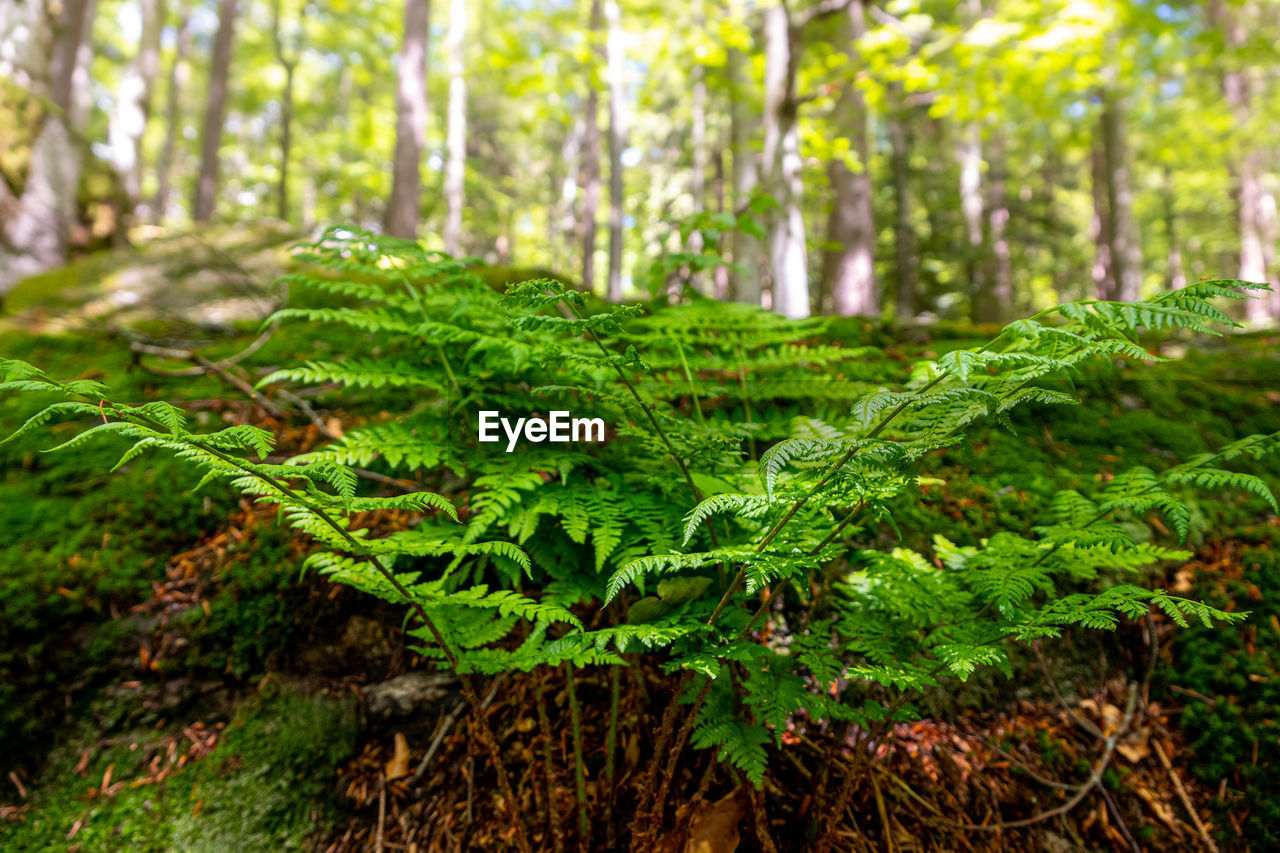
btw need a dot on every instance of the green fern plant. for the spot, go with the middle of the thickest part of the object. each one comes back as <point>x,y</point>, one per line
<point>749,464</point>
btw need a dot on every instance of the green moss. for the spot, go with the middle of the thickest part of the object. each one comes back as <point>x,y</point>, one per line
<point>266,786</point>
<point>1237,738</point>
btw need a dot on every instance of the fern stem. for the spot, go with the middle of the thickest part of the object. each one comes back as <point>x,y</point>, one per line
<point>579,771</point>
<point>746,400</point>
<point>448,369</point>
<point>658,807</point>
<point>688,375</point>
<point>553,823</point>
<point>610,746</point>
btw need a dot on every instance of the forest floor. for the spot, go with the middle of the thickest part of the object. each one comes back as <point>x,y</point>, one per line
<point>169,681</point>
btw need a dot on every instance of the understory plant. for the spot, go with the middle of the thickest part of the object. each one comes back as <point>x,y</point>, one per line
<point>731,523</point>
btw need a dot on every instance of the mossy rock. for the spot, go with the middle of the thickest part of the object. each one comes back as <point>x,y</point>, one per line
<point>170,282</point>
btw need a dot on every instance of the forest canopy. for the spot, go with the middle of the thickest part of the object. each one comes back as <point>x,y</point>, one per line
<point>967,159</point>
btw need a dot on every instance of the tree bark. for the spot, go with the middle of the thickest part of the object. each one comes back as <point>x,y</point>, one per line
<point>133,103</point>
<point>34,227</point>
<point>744,280</point>
<point>788,258</point>
<point>411,123</point>
<point>203,204</point>
<point>848,265</point>
<point>456,131</point>
<point>172,116</point>
<point>591,157</point>
<point>616,50</point>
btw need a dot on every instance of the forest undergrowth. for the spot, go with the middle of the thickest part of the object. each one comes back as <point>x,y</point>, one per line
<point>1088,746</point>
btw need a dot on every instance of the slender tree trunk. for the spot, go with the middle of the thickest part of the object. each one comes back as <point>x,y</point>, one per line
<point>984,308</point>
<point>1255,204</point>
<point>848,265</point>
<point>51,45</point>
<point>133,103</point>
<point>905,252</point>
<point>215,109</point>
<point>1126,248</point>
<point>591,157</point>
<point>744,280</point>
<point>288,63</point>
<point>698,142</point>
<point>1104,274</point>
<point>456,131</point>
<point>721,278</point>
<point>411,123</point>
<point>788,258</point>
<point>286,143</point>
<point>1176,274</point>
<point>571,151</point>
<point>1001,272</point>
<point>617,142</point>
<point>172,116</point>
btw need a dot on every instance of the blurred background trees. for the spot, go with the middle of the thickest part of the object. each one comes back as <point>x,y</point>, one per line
<point>967,159</point>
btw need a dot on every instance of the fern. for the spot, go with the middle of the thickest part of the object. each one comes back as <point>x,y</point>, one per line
<point>749,462</point>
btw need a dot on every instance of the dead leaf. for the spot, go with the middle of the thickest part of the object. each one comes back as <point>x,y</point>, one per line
<point>398,766</point>
<point>334,426</point>
<point>715,828</point>
<point>1135,748</point>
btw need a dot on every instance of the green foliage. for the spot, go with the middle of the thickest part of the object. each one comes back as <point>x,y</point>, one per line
<point>503,572</point>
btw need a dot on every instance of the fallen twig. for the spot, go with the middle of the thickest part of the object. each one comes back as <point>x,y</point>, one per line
<point>1182,795</point>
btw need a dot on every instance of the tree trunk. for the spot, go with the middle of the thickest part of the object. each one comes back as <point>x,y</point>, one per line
<point>570,155</point>
<point>1001,272</point>
<point>721,276</point>
<point>411,123</point>
<point>34,227</point>
<point>905,252</point>
<point>1176,274</point>
<point>591,158</point>
<point>788,259</point>
<point>1104,274</point>
<point>177,81</point>
<point>288,63</point>
<point>1126,248</point>
<point>698,142</point>
<point>848,264</point>
<point>1255,204</point>
<point>215,108</point>
<point>617,141</point>
<point>744,280</point>
<point>456,131</point>
<point>983,308</point>
<point>133,103</point>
